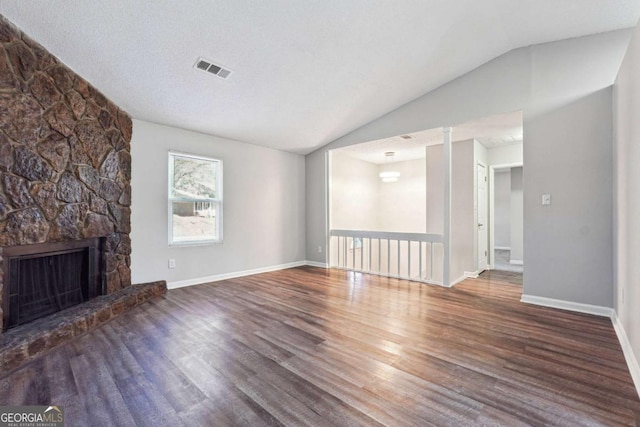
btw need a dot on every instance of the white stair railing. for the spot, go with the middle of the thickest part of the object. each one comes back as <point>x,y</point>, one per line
<point>411,256</point>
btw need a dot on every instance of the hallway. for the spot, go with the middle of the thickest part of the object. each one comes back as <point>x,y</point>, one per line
<point>501,262</point>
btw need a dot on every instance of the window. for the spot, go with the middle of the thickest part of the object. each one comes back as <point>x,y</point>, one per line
<point>195,199</point>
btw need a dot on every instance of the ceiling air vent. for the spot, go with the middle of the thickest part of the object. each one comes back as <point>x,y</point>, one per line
<point>406,136</point>
<point>209,67</point>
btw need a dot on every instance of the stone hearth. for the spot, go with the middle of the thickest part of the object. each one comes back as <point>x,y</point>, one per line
<point>26,342</point>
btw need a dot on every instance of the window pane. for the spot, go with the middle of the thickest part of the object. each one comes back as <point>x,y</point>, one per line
<point>194,178</point>
<point>194,221</point>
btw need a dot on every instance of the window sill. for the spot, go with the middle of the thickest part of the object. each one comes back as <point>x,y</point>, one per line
<point>195,243</point>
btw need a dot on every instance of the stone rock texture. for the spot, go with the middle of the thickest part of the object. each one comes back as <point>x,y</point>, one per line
<point>65,163</point>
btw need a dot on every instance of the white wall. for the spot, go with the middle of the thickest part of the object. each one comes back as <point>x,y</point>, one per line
<point>627,199</point>
<point>506,154</point>
<point>462,203</point>
<point>463,235</point>
<point>354,193</point>
<point>435,188</point>
<point>354,188</point>
<point>402,208</point>
<point>403,203</point>
<point>502,209</point>
<point>264,211</point>
<point>516,213</point>
<point>563,89</point>
<point>361,201</point>
<point>481,154</point>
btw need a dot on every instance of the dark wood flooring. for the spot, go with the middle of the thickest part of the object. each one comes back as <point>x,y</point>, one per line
<point>307,346</point>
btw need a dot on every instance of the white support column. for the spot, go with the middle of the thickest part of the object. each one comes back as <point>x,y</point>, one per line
<point>426,187</point>
<point>446,280</point>
<point>327,201</point>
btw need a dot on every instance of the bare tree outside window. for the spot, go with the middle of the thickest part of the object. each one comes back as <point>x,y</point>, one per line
<point>195,199</point>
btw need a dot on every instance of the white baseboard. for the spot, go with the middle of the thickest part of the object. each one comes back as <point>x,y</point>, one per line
<point>233,275</point>
<point>568,305</point>
<point>629,356</point>
<point>455,282</point>
<point>471,274</point>
<point>316,264</point>
<point>502,248</point>
<point>516,262</point>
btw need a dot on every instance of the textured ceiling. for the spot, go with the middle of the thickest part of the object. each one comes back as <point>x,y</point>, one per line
<point>493,131</point>
<point>304,72</point>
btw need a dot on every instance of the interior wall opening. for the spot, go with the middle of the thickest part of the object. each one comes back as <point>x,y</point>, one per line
<point>386,200</point>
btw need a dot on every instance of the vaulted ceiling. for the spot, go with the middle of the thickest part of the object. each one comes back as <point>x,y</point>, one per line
<point>303,72</point>
<point>492,132</point>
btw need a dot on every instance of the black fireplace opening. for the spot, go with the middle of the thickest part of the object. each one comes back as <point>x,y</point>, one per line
<point>43,279</point>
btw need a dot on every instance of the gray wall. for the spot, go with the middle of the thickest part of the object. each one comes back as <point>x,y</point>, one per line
<point>264,212</point>
<point>516,212</point>
<point>567,244</point>
<point>627,194</point>
<point>316,206</point>
<point>564,91</point>
<point>502,209</point>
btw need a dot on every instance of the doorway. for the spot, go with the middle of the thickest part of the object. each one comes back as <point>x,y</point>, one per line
<point>506,236</point>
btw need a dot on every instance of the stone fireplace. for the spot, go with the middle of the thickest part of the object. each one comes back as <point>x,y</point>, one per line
<point>65,163</point>
<point>46,278</point>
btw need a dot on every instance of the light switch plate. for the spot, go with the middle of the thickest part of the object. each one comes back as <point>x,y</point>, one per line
<point>546,199</point>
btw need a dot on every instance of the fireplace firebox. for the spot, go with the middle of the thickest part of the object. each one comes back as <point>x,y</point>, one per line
<point>45,278</point>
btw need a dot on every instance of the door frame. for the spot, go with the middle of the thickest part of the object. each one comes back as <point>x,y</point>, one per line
<point>327,199</point>
<point>476,213</point>
<point>492,170</point>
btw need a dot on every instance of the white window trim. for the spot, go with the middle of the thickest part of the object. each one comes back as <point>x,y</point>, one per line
<point>218,201</point>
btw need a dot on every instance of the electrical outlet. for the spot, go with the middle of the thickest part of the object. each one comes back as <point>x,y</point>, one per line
<point>319,249</point>
<point>546,199</point>
<point>172,263</point>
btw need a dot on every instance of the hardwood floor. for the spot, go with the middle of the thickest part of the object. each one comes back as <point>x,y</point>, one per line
<point>307,346</point>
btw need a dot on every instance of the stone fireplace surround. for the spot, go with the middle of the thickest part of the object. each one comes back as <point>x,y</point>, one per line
<point>65,173</point>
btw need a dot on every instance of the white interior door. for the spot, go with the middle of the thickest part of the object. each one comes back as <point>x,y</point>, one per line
<point>483,236</point>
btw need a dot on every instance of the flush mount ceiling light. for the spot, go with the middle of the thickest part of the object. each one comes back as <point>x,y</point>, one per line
<point>211,68</point>
<point>389,175</point>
